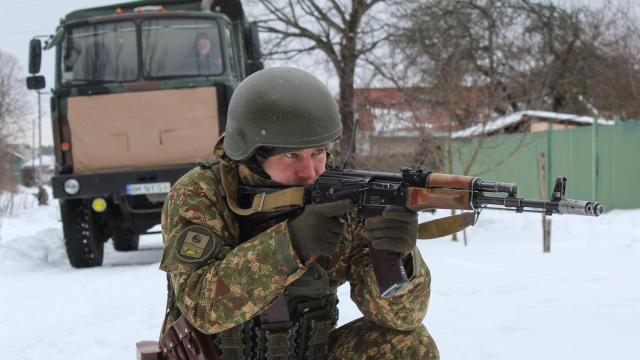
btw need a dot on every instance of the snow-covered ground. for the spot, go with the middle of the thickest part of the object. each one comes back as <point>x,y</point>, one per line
<point>498,298</point>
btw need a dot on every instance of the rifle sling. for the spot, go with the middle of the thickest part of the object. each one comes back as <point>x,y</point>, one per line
<point>264,202</point>
<point>446,225</point>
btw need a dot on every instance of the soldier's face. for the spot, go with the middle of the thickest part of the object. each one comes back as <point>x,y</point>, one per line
<point>300,167</point>
<point>203,46</point>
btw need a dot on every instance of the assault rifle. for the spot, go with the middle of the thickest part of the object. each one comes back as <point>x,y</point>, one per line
<point>416,190</point>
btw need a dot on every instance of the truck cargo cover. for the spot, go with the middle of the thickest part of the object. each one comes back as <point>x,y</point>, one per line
<point>142,129</point>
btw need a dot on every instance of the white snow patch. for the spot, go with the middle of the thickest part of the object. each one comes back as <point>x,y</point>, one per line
<point>499,297</point>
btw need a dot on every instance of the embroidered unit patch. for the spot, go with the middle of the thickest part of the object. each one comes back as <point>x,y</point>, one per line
<point>196,243</point>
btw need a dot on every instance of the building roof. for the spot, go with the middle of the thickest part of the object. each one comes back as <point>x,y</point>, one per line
<point>399,123</point>
<point>48,161</point>
<point>16,155</point>
<point>399,112</point>
<point>511,119</point>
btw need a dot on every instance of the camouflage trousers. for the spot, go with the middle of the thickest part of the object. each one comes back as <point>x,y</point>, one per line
<point>364,339</point>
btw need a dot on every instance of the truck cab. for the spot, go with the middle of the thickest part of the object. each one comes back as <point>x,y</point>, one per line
<point>141,92</point>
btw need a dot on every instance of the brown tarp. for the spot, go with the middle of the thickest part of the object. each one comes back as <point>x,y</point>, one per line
<point>142,129</point>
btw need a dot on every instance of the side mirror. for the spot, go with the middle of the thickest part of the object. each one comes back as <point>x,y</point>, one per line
<point>253,66</point>
<point>35,82</point>
<point>35,56</point>
<point>253,46</point>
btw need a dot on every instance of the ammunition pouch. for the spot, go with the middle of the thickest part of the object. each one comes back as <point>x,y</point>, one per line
<point>295,326</point>
<point>316,318</point>
<point>180,341</point>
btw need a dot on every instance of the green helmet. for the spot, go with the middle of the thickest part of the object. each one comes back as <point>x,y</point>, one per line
<point>280,107</point>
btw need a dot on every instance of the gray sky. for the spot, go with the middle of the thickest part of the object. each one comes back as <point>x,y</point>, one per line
<point>22,19</point>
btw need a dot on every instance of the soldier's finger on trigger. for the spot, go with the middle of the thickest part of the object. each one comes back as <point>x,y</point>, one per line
<point>384,233</point>
<point>335,208</point>
<point>382,222</point>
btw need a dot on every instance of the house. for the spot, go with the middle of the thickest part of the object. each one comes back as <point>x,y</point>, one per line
<point>397,125</point>
<point>393,120</point>
<point>14,161</point>
<point>41,167</point>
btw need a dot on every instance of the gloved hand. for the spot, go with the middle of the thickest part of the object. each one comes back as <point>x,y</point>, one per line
<point>396,230</point>
<point>317,230</point>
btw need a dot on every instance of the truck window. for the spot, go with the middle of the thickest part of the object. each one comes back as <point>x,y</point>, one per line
<point>103,52</point>
<point>181,47</point>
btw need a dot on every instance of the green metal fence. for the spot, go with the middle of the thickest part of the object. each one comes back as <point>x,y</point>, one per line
<point>601,163</point>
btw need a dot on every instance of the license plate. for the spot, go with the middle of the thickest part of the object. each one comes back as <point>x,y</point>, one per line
<point>149,188</point>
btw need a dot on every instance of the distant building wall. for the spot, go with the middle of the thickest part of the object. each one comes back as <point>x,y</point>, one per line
<point>544,126</point>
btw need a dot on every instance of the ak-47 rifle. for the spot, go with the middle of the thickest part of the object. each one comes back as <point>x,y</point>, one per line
<point>416,190</point>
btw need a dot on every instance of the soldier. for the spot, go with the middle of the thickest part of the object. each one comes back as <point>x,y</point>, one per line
<point>265,284</point>
<point>203,58</point>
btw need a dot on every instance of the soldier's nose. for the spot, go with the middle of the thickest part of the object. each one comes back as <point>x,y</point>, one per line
<point>306,170</point>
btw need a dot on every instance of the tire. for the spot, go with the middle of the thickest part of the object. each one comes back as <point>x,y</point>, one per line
<point>126,241</point>
<point>83,238</point>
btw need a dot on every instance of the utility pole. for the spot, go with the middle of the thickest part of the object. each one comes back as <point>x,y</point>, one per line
<point>546,220</point>
<point>39,170</point>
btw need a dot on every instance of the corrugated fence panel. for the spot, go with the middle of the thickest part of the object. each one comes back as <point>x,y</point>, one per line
<point>516,158</point>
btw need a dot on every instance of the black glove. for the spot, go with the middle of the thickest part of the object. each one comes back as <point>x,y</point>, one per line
<point>396,230</point>
<point>317,230</point>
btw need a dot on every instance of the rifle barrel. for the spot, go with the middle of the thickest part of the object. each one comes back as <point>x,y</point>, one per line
<point>562,206</point>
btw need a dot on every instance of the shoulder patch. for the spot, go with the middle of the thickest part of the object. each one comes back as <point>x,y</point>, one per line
<point>196,243</point>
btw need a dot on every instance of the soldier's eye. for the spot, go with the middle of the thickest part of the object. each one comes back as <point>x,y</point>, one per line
<point>290,155</point>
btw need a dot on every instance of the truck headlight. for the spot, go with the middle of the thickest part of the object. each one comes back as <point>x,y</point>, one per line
<point>71,186</point>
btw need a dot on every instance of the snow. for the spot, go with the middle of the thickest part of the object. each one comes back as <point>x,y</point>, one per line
<point>499,297</point>
<point>504,121</point>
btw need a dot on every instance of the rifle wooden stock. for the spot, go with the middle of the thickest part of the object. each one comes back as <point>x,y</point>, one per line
<point>437,198</point>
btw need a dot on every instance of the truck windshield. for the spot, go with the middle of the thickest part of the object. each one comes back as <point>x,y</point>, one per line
<point>100,53</point>
<point>181,47</point>
<point>108,52</point>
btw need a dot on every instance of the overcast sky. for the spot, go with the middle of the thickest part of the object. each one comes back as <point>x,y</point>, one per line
<point>22,19</point>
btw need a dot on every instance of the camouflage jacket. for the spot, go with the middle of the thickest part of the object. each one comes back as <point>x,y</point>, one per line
<point>220,282</point>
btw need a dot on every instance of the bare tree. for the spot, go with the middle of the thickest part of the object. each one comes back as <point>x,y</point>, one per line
<point>343,31</point>
<point>614,82</point>
<point>577,57</point>
<point>13,108</point>
<point>461,51</point>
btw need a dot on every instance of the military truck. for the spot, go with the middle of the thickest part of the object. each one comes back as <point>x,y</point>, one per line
<point>141,91</point>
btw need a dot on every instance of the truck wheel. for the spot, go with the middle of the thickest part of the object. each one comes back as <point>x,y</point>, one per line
<point>126,241</point>
<point>83,238</point>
